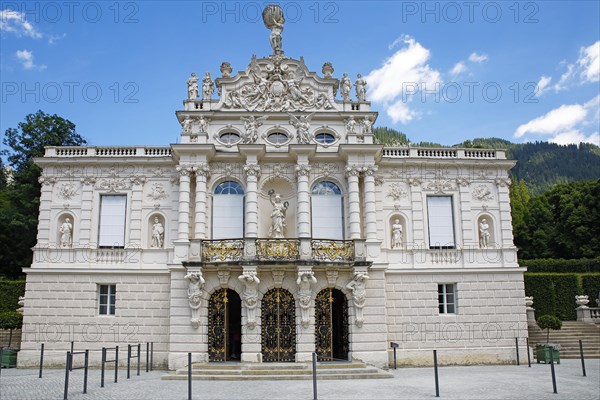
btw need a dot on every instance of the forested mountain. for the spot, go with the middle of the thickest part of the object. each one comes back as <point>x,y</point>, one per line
<point>541,165</point>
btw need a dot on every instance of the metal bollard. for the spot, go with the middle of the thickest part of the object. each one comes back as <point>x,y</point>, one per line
<point>394,346</point>
<point>147,355</point>
<point>517,347</point>
<point>528,355</point>
<point>139,346</point>
<point>116,363</point>
<point>435,369</point>
<point>189,376</point>
<point>582,358</point>
<point>128,360</point>
<point>85,371</point>
<point>314,375</point>
<point>72,351</point>
<point>67,368</point>
<point>41,359</point>
<point>151,354</point>
<point>552,370</point>
<point>102,367</point>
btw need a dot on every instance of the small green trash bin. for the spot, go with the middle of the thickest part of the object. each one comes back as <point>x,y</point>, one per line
<point>542,353</point>
<point>9,358</point>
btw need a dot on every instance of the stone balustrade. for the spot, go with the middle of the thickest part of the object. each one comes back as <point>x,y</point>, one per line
<point>108,151</point>
<point>443,153</point>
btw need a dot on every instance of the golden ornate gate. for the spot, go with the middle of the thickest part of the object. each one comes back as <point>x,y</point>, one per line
<point>217,325</point>
<point>331,325</point>
<point>278,326</point>
<point>224,326</point>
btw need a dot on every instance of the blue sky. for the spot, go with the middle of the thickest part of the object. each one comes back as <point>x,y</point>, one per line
<point>438,71</point>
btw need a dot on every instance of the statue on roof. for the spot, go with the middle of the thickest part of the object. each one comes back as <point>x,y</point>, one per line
<point>273,19</point>
<point>192,87</point>
<point>207,87</point>
<point>360,86</point>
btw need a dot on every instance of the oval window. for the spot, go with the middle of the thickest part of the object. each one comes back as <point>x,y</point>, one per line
<point>325,138</point>
<point>229,138</point>
<point>277,138</point>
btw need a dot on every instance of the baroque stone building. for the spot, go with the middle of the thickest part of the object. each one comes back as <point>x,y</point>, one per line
<point>277,227</point>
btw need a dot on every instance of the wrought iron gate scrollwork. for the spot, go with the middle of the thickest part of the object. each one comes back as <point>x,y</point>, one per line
<point>217,325</point>
<point>331,325</point>
<point>278,326</point>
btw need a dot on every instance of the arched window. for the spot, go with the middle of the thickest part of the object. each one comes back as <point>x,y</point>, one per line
<point>228,211</point>
<point>327,211</point>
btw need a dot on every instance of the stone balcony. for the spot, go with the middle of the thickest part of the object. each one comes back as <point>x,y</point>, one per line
<point>276,251</point>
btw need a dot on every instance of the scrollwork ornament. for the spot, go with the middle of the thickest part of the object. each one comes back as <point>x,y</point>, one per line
<point>502,182</point>
<point>252,170</point>
<point>463,181</point>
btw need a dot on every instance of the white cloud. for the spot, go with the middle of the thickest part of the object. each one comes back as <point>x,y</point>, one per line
<point>407,68</point>
<point>478,58</point>
<point>400,112</point>
<point>542,85</point>
<point>589,62</point>
<point>52,39</point>
<point>564,78</point>
<point>15,22</point>
<point>576,137</point>
<point>458,69</point>
<point>560,119</point>
<point>26,58</point>
<point>566,124</point>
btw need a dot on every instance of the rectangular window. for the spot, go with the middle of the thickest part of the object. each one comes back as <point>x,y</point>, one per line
<point>441,222</point>
<point>228,216</point>
<point>447,298</point>
<point>106,299</point>
<point>112,221</point>
<point>327,217</point>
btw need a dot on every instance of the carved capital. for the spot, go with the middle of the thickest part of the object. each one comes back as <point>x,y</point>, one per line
<point>88,180</point>
<point>502,182</point>
<point>303,170</point>
<point>353,170</point>
<point>185,170</point>
<point>252,170</point>
<point>370,170</point>
<point>138,179</point>
<point>47,180</point>
<point>463,181</point>
<point>202,169</point>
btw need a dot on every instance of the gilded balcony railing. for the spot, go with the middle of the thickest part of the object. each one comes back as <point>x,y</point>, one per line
<point>225,250</point>
<point>332,250</point>
<point>277,249</point>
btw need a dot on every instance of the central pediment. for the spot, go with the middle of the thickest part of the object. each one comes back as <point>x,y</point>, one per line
<point>278,84</point>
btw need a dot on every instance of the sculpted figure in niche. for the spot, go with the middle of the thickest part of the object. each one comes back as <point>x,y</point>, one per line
<point>345,87</point>
<point>192,85</point>
<point>277,229</point>
<point>361,89</point>
<point>158,232</point>
<point>484,234</point>
<point>207,86</point>
<point>203,124</point>
<point>396,234</point>
<point>66,230</point>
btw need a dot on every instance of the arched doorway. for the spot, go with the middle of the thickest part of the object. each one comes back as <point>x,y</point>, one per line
<point>278,326</point>
<point>331,325</point>
<point>224,326</point>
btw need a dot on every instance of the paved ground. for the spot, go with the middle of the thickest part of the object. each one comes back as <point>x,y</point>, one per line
<point>495,382</point>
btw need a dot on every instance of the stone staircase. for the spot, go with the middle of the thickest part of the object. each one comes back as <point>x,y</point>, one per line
<point>568,338</point>
<point>232,371</point>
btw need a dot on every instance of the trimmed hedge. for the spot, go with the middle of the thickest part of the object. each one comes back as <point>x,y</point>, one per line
<point>554,294</point>
<point>540,286</point>
<point>590,284</point>
<point>584,265</point>
<point>9,294</point>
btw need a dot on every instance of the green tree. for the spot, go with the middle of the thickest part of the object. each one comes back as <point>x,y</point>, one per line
<point>19,200</point>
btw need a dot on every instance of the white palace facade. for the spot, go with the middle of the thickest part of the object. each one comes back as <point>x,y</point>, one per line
<point>276,228</point>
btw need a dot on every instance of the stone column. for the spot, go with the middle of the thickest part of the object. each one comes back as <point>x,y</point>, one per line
<point>184,201</point>
<point>305,326</point>
<point>303,170</point>
<point>370,210</point>
<point>202,174</point>
<point>353,173</point>
<point>252,173</point>
<point>251,319</point>
<point>506,232</point>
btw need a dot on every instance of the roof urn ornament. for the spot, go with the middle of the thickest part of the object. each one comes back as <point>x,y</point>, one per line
<point>273,18</point>
<point>327,70</point>
<point>226,69</point>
